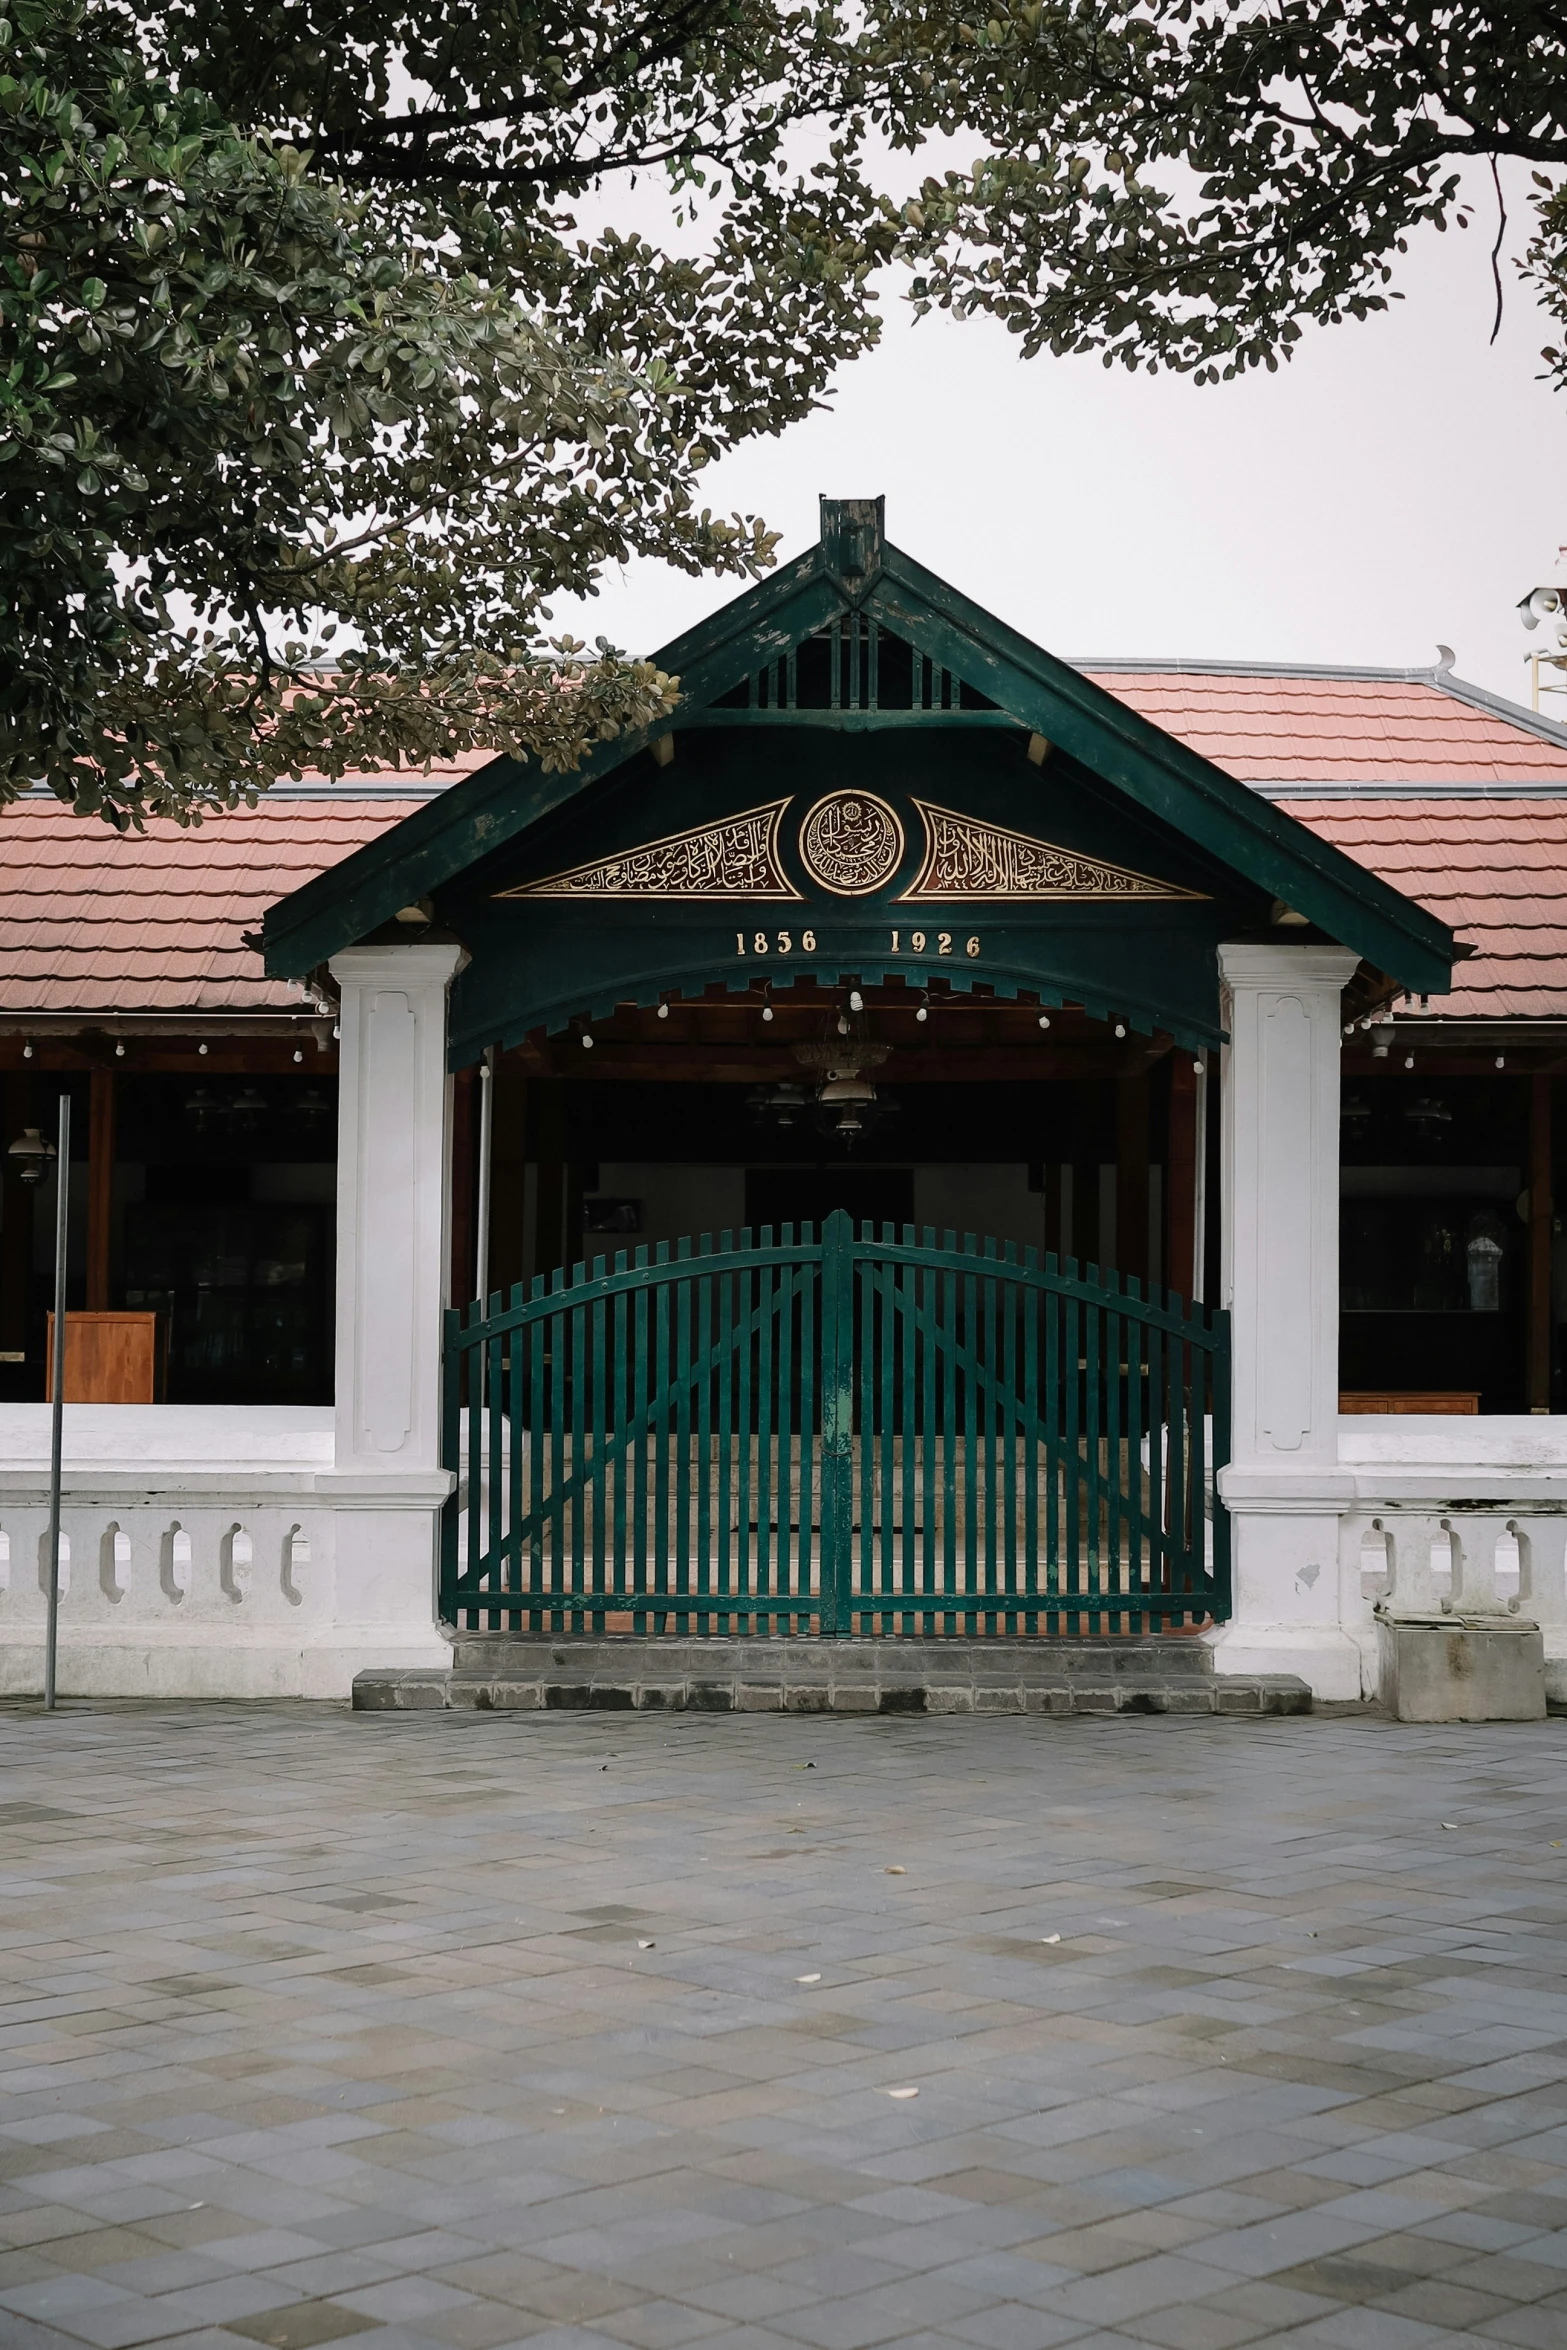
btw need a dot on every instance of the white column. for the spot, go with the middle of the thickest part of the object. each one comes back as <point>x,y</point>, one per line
<point>391,1204</point>
<point>392,1254</point>
<point>1284,1487</point>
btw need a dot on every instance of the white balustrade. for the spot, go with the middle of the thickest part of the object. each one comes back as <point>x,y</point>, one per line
<point>208,1552</point>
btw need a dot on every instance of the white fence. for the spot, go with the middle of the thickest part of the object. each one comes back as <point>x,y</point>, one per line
<point>205,1552</point>
<point>1466,1515</point>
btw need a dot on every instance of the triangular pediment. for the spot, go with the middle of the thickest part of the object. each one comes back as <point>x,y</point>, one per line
<point>855,636</point>
<point>734,858</point>
<point>967,859</point>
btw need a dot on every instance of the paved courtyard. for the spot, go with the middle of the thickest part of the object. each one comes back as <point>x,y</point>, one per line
<point>458,2030</point>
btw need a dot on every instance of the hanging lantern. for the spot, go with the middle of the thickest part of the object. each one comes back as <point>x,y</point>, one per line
<point>30,1155</point>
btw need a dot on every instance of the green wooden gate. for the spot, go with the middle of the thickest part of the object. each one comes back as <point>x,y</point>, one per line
<point>835,1432</point>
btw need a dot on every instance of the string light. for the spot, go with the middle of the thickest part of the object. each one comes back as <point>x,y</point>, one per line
<point>663,1011</point>
<point>1044,1019</point>
<point>119,1052</point>
<point>1120,1028</point>
<point>587,1042</point>
<point>856,1000</point>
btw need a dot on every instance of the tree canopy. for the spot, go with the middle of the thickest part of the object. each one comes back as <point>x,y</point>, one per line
<point>329,354</point>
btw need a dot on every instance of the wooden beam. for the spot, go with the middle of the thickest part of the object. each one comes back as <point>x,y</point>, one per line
<point>1542,1218</point>
<point>16,1227</point>
<point>769,1064</point>
<point>1131,1176</point>
<point>1180,1163</point>
<point>465,1111</point>
<point>549,1142</point>
<point>508,1170</point>
<point>100,1187</point>
<point>178,1057</point>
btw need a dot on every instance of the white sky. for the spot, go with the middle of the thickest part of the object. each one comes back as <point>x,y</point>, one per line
<point>1399,485</point>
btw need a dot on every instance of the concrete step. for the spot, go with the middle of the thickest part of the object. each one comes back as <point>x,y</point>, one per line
<point>625,1674</point>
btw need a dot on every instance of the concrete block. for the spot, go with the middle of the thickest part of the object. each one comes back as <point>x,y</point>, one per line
<point>411,1692</point>
<point>1283,1693</point>
<point>1461,1668</point>
<point>853,1701</point>
<point>807,1700</point>
<point>711,1697</point>
<point>661,1697</point>
<point>955,1697</point>
<point>764,1697</point>
<point>495,1696</point>
<point>999,1701</point>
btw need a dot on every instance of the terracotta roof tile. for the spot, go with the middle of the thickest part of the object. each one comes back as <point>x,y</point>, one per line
<point>97,921</point>
<point>1495,869</point>
<point>94,922</point>
<point>1336,729</point>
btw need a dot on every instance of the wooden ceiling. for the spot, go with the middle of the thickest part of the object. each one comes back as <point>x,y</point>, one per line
<point>723,1039</point>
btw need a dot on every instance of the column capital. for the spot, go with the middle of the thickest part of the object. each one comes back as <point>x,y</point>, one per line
<point>421,963</point>
<point>1259,963</point>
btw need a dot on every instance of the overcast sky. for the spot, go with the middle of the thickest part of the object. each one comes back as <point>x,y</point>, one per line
<point>1399,485</point>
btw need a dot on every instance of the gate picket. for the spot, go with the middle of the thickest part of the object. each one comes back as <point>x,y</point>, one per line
<point>834,1432</point>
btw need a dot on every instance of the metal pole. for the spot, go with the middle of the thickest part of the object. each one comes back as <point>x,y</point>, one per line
<point>62,1210</point>
<point>481,1279</point>
<point>1200,1173</point>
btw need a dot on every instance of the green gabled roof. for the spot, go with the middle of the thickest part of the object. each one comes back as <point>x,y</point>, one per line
<point>851,568</point>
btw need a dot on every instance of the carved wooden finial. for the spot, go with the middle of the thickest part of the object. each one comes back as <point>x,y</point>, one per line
<point>852,530</point>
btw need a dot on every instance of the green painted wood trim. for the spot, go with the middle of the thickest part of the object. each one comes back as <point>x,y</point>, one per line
<point>1010,983</point>
<point>446,836</point>
<point>1035,690</point>
<point>1160,773</point>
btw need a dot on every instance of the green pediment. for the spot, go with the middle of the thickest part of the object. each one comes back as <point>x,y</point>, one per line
<point>857,743</point>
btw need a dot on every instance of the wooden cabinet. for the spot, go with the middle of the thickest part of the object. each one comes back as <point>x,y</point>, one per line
<point>109,1358</point>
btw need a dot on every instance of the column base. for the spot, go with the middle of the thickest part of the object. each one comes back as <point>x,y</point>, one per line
<point>1291,1612</point>
<point>1335,1666</point>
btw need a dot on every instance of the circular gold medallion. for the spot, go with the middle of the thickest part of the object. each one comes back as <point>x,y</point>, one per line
<point>851,843</point>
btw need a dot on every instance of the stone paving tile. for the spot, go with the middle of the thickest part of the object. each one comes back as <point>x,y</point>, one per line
<point>462,2032</point>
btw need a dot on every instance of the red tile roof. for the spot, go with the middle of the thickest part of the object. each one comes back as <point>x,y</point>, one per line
<point>93,922</point>
<point>1344,729</point>
<point>1496,870</point>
